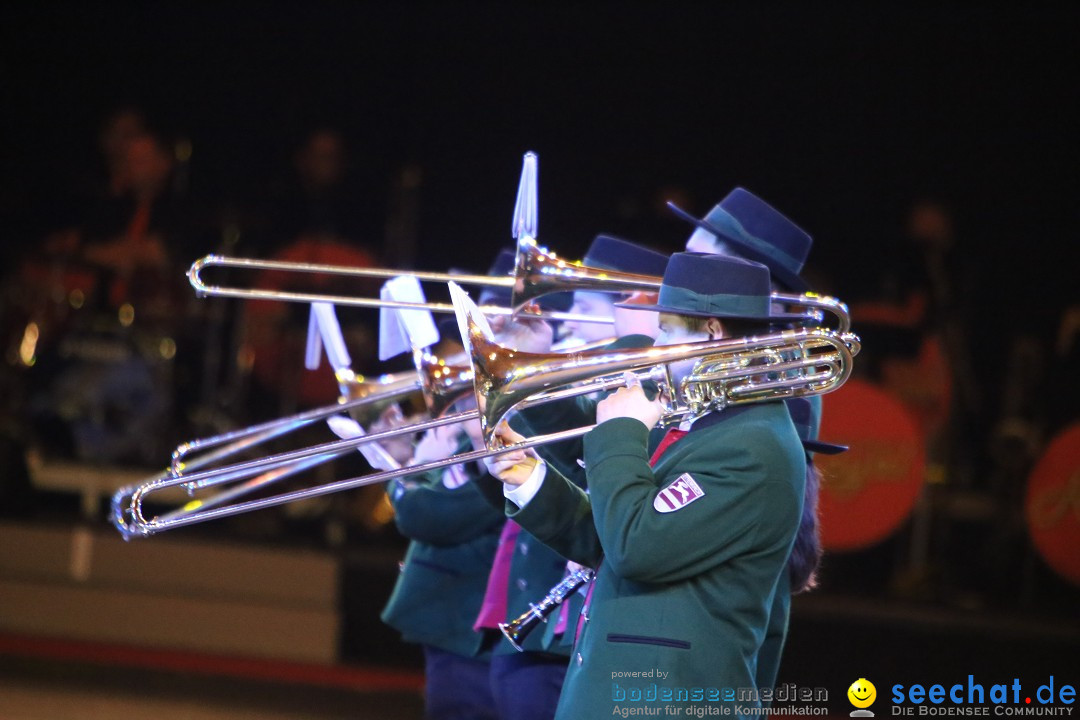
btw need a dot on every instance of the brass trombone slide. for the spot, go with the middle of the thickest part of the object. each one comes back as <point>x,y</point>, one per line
<point>537,272</point>
<point>356,392</point>
<point>439,382</point>
<point>506,380</point>
<point>236,441</point>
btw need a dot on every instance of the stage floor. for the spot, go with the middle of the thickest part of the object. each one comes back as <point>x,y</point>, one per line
<point>47,690</point>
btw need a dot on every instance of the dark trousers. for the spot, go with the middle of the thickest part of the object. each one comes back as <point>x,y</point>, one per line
<point>457,687</point>
<point>526,685</point>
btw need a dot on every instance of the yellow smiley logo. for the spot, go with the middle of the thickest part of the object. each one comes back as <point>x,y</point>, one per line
<point>862,693</point>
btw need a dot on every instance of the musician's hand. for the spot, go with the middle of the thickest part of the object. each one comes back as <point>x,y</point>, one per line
<point>515,467</point>
<point>400,447</point>
<point>526,334</point>
<point>436,444</point>
<point>630,402</point>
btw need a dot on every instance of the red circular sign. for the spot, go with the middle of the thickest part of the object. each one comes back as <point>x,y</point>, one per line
<point>868,491</point>
<point>1052,506</point>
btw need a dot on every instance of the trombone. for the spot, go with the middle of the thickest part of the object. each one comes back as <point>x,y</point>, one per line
<point>438,381</point>
<point>790,363</point>
<point>537,272</point>
<point>440,384</point>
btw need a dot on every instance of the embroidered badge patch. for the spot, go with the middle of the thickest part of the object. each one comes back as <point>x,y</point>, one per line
<point>680,493</point>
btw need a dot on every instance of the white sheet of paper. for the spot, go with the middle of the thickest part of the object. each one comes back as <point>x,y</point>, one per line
<point>313,354</point>
<point>332,339</point>
<point>526,207</point>
<point>402,330</point>
<point>346,428</point>
<point>466,309</point>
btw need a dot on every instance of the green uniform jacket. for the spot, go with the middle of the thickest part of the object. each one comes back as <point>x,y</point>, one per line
<point>454,534</point>
<point>685,592</point>
<point>535,567</point>
<point>564,456</point>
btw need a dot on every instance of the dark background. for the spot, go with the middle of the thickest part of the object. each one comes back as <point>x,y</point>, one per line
<point>841,115</point>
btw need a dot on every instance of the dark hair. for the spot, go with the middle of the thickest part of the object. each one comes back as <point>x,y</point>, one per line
<point>733,327</point>
<point>806,552</point>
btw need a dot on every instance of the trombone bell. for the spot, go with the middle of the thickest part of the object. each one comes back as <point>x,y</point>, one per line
<point>741,370</point>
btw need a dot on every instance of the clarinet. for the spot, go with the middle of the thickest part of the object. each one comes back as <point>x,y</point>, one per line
<point>516,630</point>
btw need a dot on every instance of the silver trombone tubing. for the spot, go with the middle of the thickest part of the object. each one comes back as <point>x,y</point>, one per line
<point>202,289</point>
<point>127,501</point>
<point>236,471</point>
<point>121,500</point>
<point>507,380</point>
<point>504,380</point>
<point>385,388</point>
<point>819,304</point>
<point>129,519</point>
<point>378,389</point>
<point>244,438</point>
<point>138,525</point>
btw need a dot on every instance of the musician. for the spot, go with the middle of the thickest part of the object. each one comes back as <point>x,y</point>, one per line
<point>633,328</point>
<point>527,684</point>
<point>690,535</point>
<point>454,532</point>
<point>743,225</point>
<point>607,252</point>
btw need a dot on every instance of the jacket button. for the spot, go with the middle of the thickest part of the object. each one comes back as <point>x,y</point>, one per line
<point>523,548</point>
<point>579,660</point>
<point>522,583</point>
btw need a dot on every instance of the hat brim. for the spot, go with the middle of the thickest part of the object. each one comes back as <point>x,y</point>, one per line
<point>780,275</point>
<point>824,448</point>
<point>777,318</point>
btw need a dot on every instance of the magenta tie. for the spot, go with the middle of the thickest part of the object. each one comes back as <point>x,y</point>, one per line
<point>493,609</point>
<point>564,618</point>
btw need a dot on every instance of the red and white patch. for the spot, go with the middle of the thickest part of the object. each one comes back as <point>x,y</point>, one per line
<point>680,493</point>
